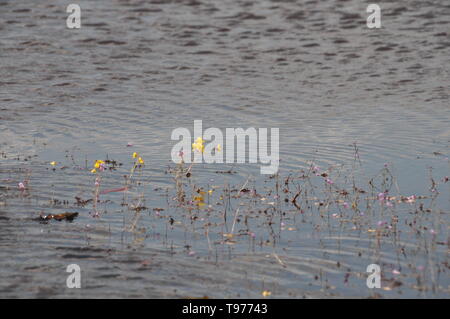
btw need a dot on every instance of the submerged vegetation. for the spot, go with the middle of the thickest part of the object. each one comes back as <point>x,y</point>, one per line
<point>334,212</point>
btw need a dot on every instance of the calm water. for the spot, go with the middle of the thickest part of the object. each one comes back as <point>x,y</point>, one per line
<point>136,70</point>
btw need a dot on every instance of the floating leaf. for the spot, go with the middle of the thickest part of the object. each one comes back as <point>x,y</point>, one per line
<point>58,217</point>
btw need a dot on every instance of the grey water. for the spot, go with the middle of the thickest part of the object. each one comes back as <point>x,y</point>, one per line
<point>137,70</point>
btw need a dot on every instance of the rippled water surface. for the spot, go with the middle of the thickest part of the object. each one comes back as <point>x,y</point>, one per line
<point>136,70</point>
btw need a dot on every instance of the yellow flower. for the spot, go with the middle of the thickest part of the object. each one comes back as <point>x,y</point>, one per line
<point>210,191</point>
<point>266,293</point>
<point>198,198</point>
<point>98,163</point>
<point>135,155</point>
<point>140,160</point>
<point>94,171</point>
<point>53,163</point>
<point>198,145</point>
<point>199,140</point>
<point>218,148</point>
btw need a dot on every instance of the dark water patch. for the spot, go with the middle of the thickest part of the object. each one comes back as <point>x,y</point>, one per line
<point>113,42</point>
<point>245,16</point>
<point>395,11</point>
<point>299,15</point>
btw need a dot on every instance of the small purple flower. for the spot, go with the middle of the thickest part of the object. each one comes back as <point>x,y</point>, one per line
<point>346,205</point>
<point>252,235</point>
<point>381,223</point>
<point>129,144</point>
<point>22,186</point>
<point>381,196</point>
<point>329,181</point>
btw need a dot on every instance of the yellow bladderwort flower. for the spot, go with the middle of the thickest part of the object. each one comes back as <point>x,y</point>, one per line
<point>94,171</point>
<point>218,148</point>
<point>199,200</point>
<point>53,163</point>
<point>98,164</point>
<point>198,145</point>
<point>140,160</point>
<point>135,155</point>
<point>266,293</point>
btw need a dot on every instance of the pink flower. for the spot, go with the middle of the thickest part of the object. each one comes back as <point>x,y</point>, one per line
<point>396,272</point>
<point>129,144</point>
<point>346,205</point>
<point>381,196</point>
<point>22,186</point>
<point>180,153</point>
<point>329,181</point>
<point>433,232</point>
<point>381,223</point>
<point>411,199</point>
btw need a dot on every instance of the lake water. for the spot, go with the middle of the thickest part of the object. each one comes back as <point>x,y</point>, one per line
<point>136,70</point>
